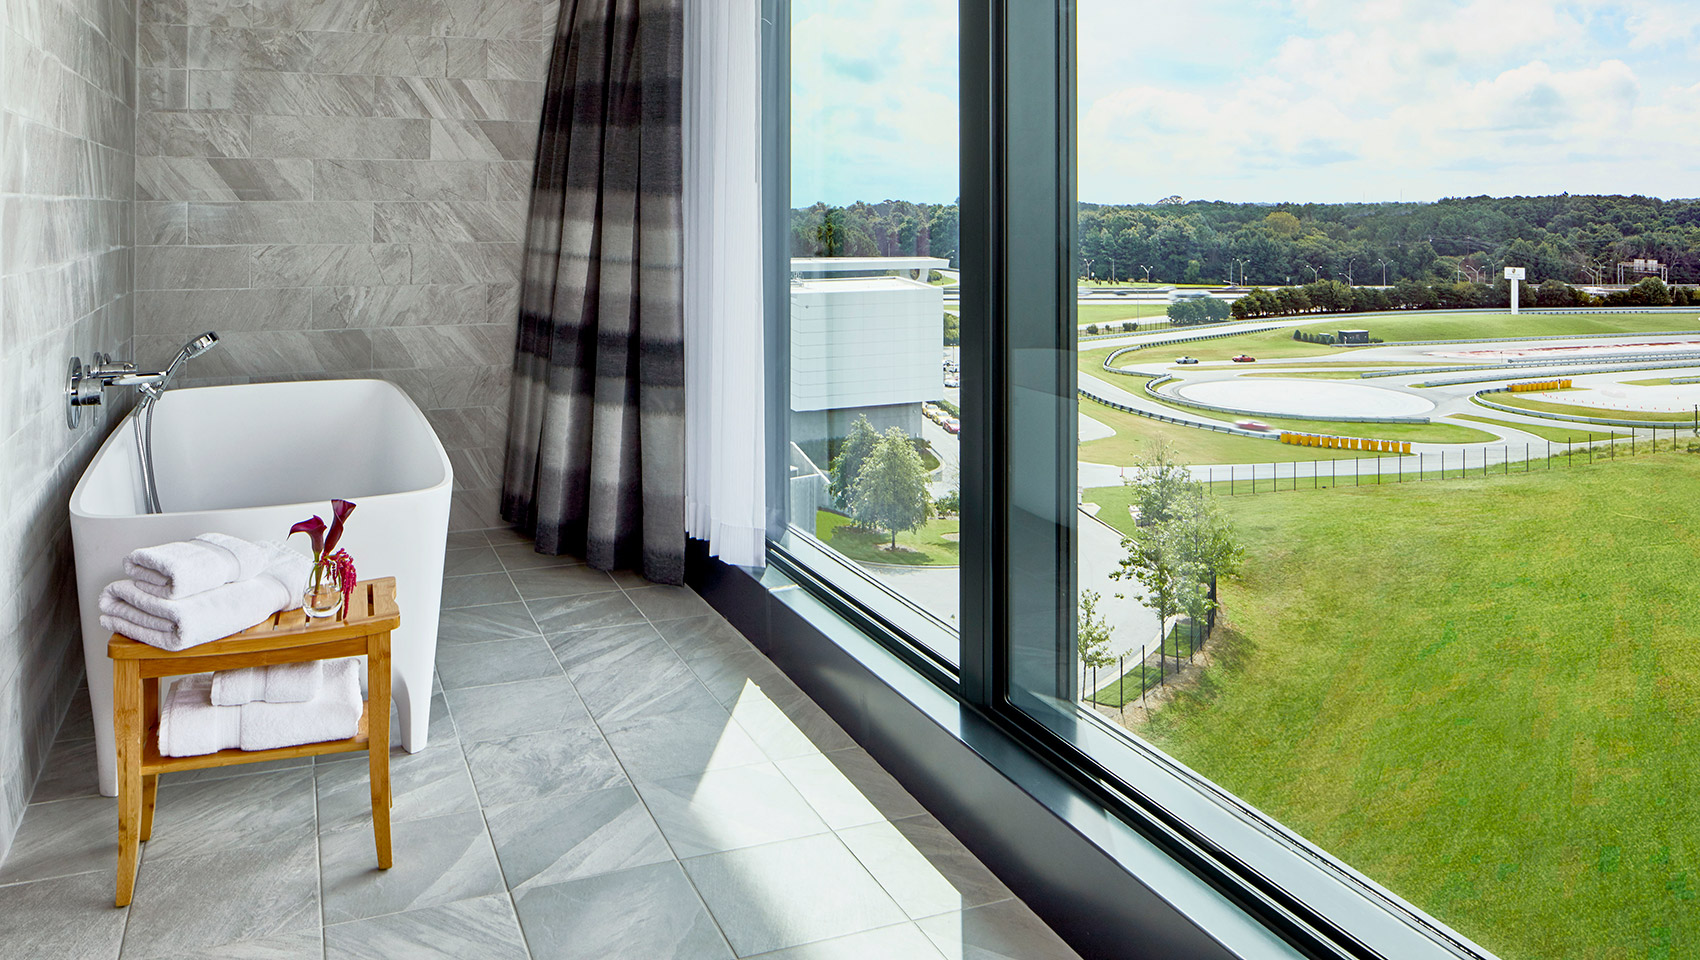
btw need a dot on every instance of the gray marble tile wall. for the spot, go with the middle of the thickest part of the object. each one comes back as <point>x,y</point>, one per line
<point>67,180</point>
<point>339,188</point>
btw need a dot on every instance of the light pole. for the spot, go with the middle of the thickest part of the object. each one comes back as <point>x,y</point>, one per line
<point>1147,272</point>
<point>1349,270</point>
<point>1112,270</point>
<point>1383,265</point>
<point>1315,275</point>
<point>1088,263</point>
<point>1242,262</point>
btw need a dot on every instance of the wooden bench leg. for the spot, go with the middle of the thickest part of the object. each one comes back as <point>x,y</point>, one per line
<point>150,782</point>
<point>378,741</point>
<point>128,730</point>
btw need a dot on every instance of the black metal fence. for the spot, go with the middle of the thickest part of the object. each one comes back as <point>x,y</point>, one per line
<point>1481,462</point>
<point>1136,675</point>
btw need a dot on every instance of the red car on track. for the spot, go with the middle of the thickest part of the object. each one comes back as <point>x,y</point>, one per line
<point>1245,358</point>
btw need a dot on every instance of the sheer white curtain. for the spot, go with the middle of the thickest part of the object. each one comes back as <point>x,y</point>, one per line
<point>725,383</point>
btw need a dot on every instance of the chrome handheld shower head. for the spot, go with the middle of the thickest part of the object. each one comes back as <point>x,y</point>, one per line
<point>190,351</point>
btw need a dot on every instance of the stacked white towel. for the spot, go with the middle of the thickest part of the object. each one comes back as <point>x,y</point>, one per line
<point>277,683</point>
<point>187,567</point>
<point>186,621</point>
<point>190,724</point>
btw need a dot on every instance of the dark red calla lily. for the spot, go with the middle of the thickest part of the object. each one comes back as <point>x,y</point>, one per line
<point>340,509</point>
<point>315,528</point>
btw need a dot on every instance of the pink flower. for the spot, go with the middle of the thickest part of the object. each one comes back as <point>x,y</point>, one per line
<point>346,575</point>
<point>340,509</point>
<point>314,528</point>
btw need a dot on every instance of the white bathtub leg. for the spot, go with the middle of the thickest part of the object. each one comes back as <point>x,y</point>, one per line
<point>414,713</point>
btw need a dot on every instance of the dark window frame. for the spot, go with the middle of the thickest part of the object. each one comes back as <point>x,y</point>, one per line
<point>1018,214</point>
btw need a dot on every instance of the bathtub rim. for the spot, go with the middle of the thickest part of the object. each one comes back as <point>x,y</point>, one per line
<point>114,437</point>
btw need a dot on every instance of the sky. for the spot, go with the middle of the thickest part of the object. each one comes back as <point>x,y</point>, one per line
<point>1278,100</point>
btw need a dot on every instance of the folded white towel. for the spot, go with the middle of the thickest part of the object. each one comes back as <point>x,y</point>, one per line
<point>193,620</point>
<point>334,714</point>
<point>186,567</point>
<point>277,683</point>
<point>191,725</point>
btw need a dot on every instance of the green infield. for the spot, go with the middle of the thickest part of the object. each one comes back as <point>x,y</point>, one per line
<point>1436,325</point>
<point>934,545</point>
<point>1525,402</point>
<point>1485,696</point>
<point>1557,433</point>
<point>1101,313</point>
<point>1135,436</point>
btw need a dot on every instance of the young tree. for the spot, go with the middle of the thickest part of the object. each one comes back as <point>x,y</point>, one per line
<point>891,489</point>
<point>1092,632</point>
<point>1159,486</point>
<point>852,454</point>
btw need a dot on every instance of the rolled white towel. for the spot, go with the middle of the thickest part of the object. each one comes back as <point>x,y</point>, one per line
<point>277,683</point>
<point>203,617</point>
<point>334,714</point>
<point>191,726</point>
<point>186,567</point>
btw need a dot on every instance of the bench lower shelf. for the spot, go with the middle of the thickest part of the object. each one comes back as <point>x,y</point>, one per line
<point>154,762</point>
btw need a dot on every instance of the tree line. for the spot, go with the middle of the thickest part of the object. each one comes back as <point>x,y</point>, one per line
<point>1332,296</point>
<point>1573,238</point>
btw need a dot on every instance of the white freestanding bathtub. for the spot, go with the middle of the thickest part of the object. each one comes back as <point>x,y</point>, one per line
<point>251,460</point>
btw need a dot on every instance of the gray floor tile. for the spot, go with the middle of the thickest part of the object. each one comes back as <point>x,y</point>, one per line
<point>68,772</point>
<point>208,816</point>
<point>541,583</point>
<point>79,717</point>
<point>518,769</point>
<point>431,783</point>
<point>526,706</point>
<point>462,563</point>
<point>727,809</point>
<point>478,590</point>
<point>587,612</point>
<point>64,837</point>
<point>483,928</point>
<point>924,868</point>
<point>790,727</point>
<point>565,838</point>
<point>1006,930</point>
<point>847,788</point>
<point>903,941</point>
<point>644,913</point>
<point>578,648</point>
<point>505,536</point>
<point>628,673</point>
<point>669,603</point>
<point>206,905</point>
<point>496,621</point>
<point>297,945</point>
<point>467,539</point>
<point>439,860</point>
<point>65,917</point>
<point>682,742</point>
<point>784,894</point>
<point>498,661</point>
<point>524,556</point>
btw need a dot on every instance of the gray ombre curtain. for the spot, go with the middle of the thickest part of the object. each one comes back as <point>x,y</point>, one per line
<point>595,454</point>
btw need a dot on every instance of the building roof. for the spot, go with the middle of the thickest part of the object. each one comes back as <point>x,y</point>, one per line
<point>821,265</point>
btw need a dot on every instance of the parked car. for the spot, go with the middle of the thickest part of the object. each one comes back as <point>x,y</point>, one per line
<point>1245,358</point>
<point>1251,425</point>
<point>1186,360</point>
<point>951,425</point>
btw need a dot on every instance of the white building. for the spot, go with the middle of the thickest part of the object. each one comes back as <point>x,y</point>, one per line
<point>869,345</point>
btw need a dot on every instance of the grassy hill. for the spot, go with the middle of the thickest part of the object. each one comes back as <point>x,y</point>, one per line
<point>1485,696</point>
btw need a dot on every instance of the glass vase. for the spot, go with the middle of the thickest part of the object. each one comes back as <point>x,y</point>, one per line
<point>323,596</point>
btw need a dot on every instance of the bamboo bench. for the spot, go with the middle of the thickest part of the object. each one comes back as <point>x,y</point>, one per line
<point>362,628</point>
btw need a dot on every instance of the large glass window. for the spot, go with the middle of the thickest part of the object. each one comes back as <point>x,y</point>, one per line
<point>1282,414</point>
<point>875,375</point>
<point>1384,322</point>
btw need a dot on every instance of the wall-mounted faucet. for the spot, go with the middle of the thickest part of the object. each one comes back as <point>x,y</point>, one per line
<point>87,385</point>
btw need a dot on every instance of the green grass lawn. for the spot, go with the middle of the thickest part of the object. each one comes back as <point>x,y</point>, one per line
<point>1435,325</point>
<point>1101,313</point>
<point>1136,434</point>
<point>927,546</point>
<point>1526,402</point>
<point>1655,382</point>
<point>1555,432</point>
<point>1485,696</point>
